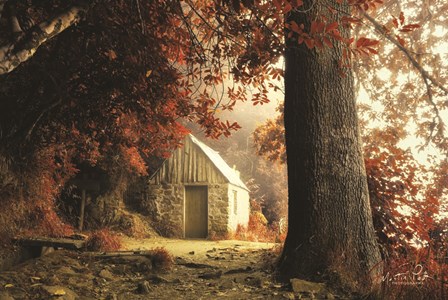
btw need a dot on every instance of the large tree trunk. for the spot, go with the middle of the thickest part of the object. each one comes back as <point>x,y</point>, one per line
<point>330,228</point>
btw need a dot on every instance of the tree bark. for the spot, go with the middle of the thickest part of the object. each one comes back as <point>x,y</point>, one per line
<point>330,231</point>
<point>14,53</point>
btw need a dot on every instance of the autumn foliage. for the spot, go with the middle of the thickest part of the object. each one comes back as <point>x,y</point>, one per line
<point>161,259</point>
<point>406,201</point>
<point>257,230</point>
<point>103,240</point>
<point>112,90</point>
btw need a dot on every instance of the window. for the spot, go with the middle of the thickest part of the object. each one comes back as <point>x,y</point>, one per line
<point>235,202</point>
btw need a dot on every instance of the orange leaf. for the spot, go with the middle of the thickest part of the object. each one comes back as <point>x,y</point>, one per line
<point>111,54</point>
<point>401,40</point>
<point>401,18</point>
<point>294,27</point>
<point>327,42</point>
<point>313,28</point>
<point>318,43</point>
<point>395,22</point>
<point>331,26</point>
<point>309,43</point>
<point>287,8</point>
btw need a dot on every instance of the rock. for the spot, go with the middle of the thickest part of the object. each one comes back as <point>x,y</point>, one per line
<point>13,292</point>
<point>79,236</point>
<point>330,296</point>
<point>144,287</point>
<point>62,293</point>
<point>239,270</point>
<point>212,275</point>
<point>226,284</point>
<point>157,279</point>
<point>112,297</point>
<point>106,274</point>
<point>180,261</point>
<point>303,286</point>
<point>254,281</point>
<point>196,265</point>
<point>139,263</point>
<point>5,296</point>
<point>46,250</point>
<point>53,280</point>
<point>66,271</point>
<point>289,295</point>
<point>191,252</point>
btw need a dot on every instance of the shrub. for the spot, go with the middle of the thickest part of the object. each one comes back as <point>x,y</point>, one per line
<point>103,240</point>
<point>258,230</point>
<point>161,259</point>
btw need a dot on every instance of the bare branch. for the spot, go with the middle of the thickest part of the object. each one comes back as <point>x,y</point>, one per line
<point>16,52</point>
<point>427,78</point>
<point>11,13</point>
<point>142,22</point>
<point>406,52</point>
<point>2,5</point>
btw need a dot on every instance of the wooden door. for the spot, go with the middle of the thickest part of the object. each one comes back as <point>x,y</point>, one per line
<point>196,212</point>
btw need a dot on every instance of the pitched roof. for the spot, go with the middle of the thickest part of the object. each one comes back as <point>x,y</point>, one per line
<point>229,173</point>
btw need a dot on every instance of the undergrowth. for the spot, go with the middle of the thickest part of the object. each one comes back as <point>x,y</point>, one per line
<point>103,240</point>
<point>258,230</point>
<point>161,259</point>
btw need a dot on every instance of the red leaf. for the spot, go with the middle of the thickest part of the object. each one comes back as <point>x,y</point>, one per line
<point>373,51</point>
<point>327,42</point>
<point>395,22</point>
<point>336,35</point>
<point>313,28</point>
<point>401,40</point>
<point>401,18</point>
<point>331,26</point>
<point>294,27</point>
<point>277,5</point>
<point>410,27</point>
<point>350,40</point>
<point>309,43</point>
<point>287,8</point>
<point>360,42</point>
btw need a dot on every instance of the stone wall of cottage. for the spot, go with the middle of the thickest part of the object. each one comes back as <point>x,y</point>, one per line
<point>218,209</point>
<point>165,204</point>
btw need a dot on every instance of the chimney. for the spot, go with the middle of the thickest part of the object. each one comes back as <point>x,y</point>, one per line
<point>236,171</point>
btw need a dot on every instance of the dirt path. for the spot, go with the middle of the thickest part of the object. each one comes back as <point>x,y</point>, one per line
<point>202,270</point>
<point>219,253</point>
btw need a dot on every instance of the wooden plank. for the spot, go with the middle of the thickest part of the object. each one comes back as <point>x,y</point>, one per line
<point>124,253</point>
<point>195,166</point>
<point>190,167</point>
<point>52,242</point>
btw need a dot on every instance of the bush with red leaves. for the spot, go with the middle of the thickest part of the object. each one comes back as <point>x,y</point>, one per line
<point>103,240</point>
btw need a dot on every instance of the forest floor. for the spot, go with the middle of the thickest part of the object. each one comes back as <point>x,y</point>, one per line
<point>202,269</point>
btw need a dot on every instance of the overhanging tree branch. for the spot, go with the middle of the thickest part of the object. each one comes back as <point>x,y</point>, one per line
<point>2,5</point>
<point>427,78</point>
<point>406,52</point>
<point>16,52</point>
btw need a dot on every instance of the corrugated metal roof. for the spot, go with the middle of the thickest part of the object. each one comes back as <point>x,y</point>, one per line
<point>229,173</point>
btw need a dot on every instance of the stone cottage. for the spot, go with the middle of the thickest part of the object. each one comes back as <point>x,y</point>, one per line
<point>196,190</point>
